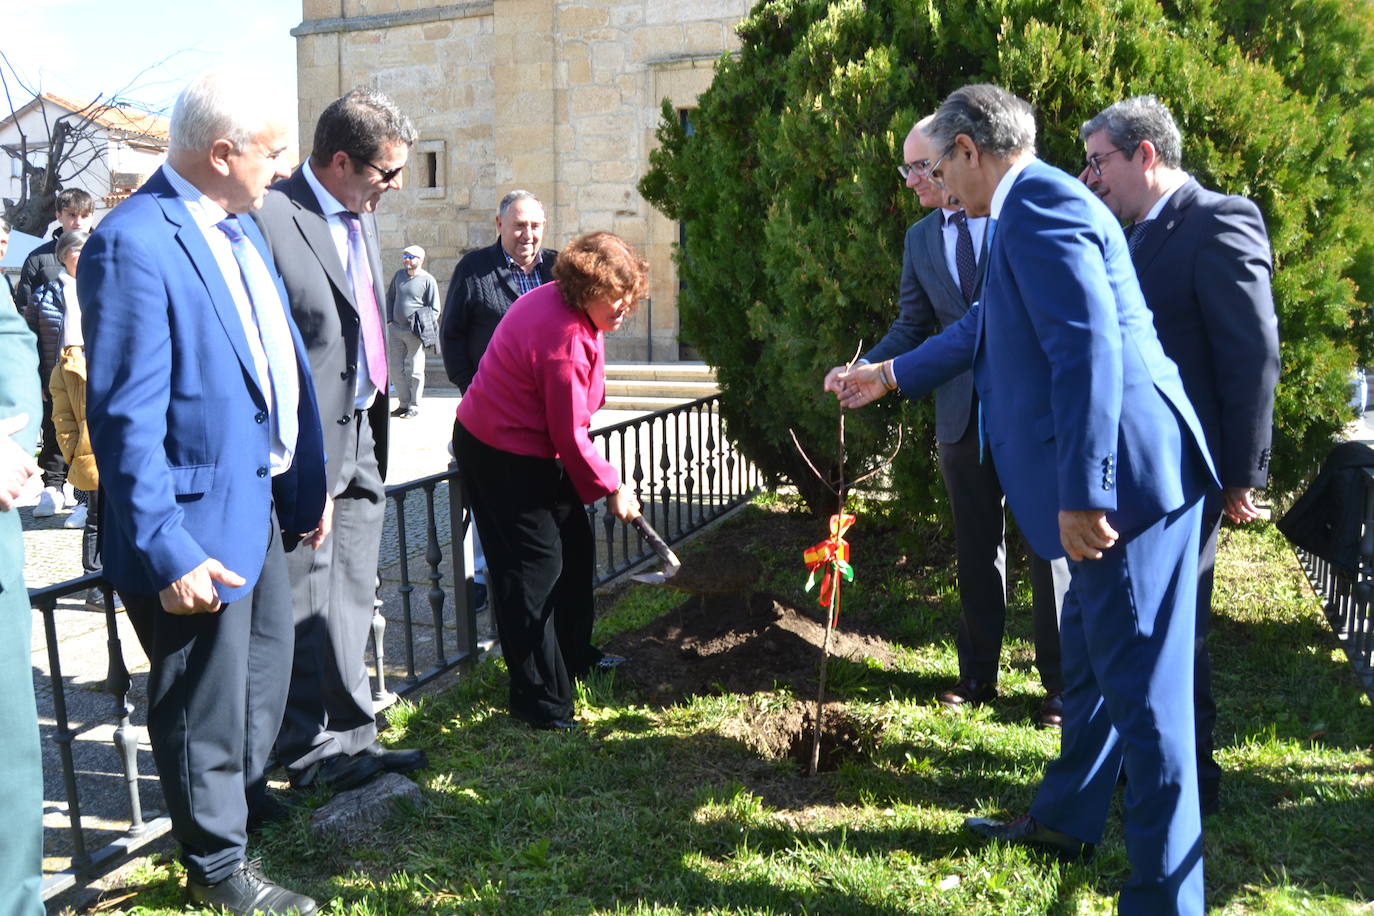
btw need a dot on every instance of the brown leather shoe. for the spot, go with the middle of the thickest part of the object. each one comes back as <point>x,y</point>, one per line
<point>968,692</point>
<point>1051,714</point>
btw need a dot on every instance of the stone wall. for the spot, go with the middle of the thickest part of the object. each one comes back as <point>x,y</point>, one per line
<point>557,96</point>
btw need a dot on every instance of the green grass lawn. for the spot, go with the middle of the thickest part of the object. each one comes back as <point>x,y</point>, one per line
<point>671,811</point>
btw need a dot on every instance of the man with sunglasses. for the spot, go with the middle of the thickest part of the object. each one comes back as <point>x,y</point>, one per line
<point>1204,265</point>
<point>320,226</point>
<point>941,277</point>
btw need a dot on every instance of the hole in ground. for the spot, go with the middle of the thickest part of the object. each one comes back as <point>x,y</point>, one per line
<point>785,731</point>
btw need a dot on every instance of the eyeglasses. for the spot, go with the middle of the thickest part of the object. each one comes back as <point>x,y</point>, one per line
<point>1095,160</point>
<point>937,180</point>
<point>409,257</point>
<point>387,175</point>
<point>920,168</point>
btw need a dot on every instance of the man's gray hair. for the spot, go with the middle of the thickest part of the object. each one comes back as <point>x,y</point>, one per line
<point>1133,120</point>
<point>360,124</point>
<point>218,105</point>
<point>510,199</point>
<point>998,122</point>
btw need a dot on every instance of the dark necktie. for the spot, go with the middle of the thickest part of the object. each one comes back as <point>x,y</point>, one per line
<point>1137,235</point>
<point>269,313</point>
<point>365,298</point>
<point>964,260</point>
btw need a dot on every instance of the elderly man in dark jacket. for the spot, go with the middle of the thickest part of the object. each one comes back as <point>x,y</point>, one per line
<point>487,280</point>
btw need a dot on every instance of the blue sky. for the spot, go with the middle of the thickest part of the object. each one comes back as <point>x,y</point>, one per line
<point>106,44</point>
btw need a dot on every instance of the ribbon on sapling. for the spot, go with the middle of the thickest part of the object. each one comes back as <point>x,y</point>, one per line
<point>830,559</point>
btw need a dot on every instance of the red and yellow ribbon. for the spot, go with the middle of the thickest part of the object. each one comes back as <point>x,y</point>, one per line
<point>833,555</point>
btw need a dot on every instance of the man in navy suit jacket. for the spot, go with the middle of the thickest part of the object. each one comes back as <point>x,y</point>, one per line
<point>1102,458</point>
<point>933,295</point>
<point>1204,266</point>
<point>204,423</point>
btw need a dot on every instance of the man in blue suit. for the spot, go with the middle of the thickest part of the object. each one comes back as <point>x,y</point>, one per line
<point>204,424</point>
<point>941,276</point>
<point>1101,457</point>
<point>1204,266</point>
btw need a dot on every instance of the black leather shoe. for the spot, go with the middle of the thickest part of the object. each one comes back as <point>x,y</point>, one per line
<point>396,760</point>
<point>1051,714</point>
<point>246,891</point>
<point>399,412</point>
<point>968,692</point>
<point>338,773</point>
<point>1026,829</point>
<point>268,811</point>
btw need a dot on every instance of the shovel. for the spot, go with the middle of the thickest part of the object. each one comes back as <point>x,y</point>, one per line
<point>671,564</point>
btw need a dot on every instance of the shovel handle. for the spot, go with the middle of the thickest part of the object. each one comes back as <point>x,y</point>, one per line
<point>651,537</point>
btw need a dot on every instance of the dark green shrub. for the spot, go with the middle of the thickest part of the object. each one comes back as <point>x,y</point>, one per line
<point>795,215</point>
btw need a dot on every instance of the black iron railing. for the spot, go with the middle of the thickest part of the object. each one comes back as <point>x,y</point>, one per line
<point>1348,595</point>
<point>685,471</point>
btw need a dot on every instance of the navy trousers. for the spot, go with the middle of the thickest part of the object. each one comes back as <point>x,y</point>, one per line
<point>1127,633</point>
<point>216,690</point>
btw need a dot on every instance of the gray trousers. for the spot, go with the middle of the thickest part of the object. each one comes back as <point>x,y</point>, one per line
<point>976,501</point>
<point>406,359</point>
<point>329,707</point>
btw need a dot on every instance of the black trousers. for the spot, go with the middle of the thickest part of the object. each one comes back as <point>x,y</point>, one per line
<point>979,510</point>
<point>540,557</point>
<point>216,691</point>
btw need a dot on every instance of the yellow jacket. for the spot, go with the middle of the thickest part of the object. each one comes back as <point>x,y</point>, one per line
<point>68,388</point>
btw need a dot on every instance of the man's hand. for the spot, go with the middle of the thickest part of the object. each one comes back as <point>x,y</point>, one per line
<point>1239,508</point>
<point>18,471</point>
<point>194,593</point>
<point>1085,533</point>
<point>622,504</point>
<point>314,539</point>
<point>858,386</point>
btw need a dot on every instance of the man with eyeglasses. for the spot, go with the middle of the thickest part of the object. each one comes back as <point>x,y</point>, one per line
<point>941,277</point>
<point>1103,459</point>
<point>412,308</point>
<point>1204,265</point>
<point>321,227</point>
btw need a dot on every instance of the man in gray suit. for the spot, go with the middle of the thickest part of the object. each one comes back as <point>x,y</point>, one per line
<point>1204,265</point>
<point>941,278</point>
<point>320,226</point>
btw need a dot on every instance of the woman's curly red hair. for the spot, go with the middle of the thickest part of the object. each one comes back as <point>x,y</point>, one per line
<point>599,265</point>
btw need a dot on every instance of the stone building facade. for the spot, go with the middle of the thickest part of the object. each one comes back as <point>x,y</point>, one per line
<point>560,97</point>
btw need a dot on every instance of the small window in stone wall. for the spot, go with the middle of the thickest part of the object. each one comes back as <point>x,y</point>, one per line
<point>428,168</point>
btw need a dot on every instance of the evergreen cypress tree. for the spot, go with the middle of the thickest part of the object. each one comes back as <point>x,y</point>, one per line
<point>795,215</point>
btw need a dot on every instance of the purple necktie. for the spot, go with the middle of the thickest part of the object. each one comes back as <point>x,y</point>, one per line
<point>365,297</point>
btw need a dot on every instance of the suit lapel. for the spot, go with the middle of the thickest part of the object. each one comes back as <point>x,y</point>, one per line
<point>192,241</point>
<point>1170,218</point>
<point>314,228</point>
<point>935,250</point>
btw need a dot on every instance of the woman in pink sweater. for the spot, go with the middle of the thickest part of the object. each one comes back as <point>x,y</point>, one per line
<point>529,468</point>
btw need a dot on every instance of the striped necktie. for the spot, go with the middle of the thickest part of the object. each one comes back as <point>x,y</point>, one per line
<point>282,386</point>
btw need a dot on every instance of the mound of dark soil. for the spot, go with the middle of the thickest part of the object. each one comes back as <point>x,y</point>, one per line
<point>714,644</point>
